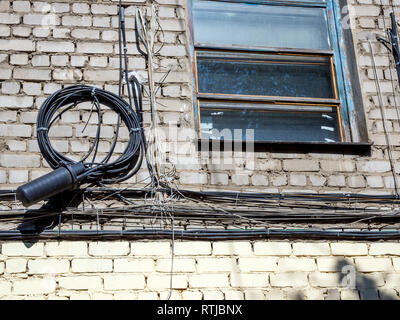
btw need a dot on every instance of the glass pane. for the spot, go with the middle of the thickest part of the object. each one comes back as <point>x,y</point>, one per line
<point>270,125</point>
<point>240,24</point>
<point>264,75</point>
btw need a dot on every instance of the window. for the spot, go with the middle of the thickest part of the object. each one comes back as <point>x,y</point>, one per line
<point>273,66</point>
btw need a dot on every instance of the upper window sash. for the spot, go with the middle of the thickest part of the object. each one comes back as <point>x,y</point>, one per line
<point>237,24</point>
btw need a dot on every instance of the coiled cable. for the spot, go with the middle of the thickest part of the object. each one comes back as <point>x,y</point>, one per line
<point>104,172</point>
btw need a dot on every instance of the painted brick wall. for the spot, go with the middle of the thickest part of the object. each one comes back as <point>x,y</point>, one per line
<point>47,44</point>
<point>202,270</point>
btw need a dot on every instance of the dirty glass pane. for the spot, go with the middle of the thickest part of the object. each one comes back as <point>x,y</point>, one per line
<point>229,24</point>
<point>264,75</point>
<point>270,125</point>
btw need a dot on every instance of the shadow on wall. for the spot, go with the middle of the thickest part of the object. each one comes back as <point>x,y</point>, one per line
<point>361,286</point>
<point>368,287</point>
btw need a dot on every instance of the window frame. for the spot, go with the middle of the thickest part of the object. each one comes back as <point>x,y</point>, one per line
<point>343,91</point>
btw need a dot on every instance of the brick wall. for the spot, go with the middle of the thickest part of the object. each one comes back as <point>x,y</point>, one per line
<point>202,270</point>
<point>45,45</point>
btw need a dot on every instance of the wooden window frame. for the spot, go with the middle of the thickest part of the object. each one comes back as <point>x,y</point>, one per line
<point>342,82</point>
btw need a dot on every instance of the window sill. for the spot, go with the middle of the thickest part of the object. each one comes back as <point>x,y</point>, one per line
<point>351,148</point>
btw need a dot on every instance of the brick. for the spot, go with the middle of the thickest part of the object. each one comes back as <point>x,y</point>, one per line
<point>150,248</point>
<point>32,74</point>
<point>80,8</point>
<point>336,181</point>
<point>350,295</point>
<point>323,280</point>
<point>300,165</point>
<point>215,264</point>
<point>67,248</point>
<point>209,281</point>
<point>21,6</point>
<point>233,295</point>
<point>60,7</point>
<point>8,116</point>
<point>387,248</point>
<point>163,282</point>
<point>289,279</point>
<point>219,178</point>
<point>240,179</point>
<point>80,21</point>
<point>9,18</point>
<point>311,249</point>
<point>15,161</point>
<point>10,87</point>
<point>16,265</point>
<point>109,248</point>
<point>173,51</point>
<point>19,59</point>
<point>193,178</point>
<point>18,176</point>
<point>15,131</point>
<point>85,34</point>
<point>15,145</point>
<point>48,266</point>
<point>41,32</point>
<point>259,180</point>
<point>192,248</point>
<point>17,45</point>
<point>94,47</point>
<point>101,75</point>
<point>55,46</point>
<point>134,265</point>
<point>272,248</point>
<point>34,286</point>
<point>247,280</point>
<point>296,264</point>
<point>60,131</point>
<point>79,296</point>
<point>373,264</point>
<point>349,249</point>
<point>213,295</point>
<point>4,5</point>
<point>16,102</point>
<point>92,265</point>
<point>125,296</point>
<point>19,249</point>
<point>124,282</point>
<point>40,61</point>
<point>192,295</point>
<point>180,265</point>
<point>337,166</point>
<point>80,282</point>
<point>21,31</point>
<point>41,19</point>
<point>331,264</point>
<point>5,74</point>
<point>374,166</point>
<point>59,61</point>
<point>104,9</point>
<point>232,248</point>
<point>5,288</point>
<point>148,296</point>
<point>32,88</point>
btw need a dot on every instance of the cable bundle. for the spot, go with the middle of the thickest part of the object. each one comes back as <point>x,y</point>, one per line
<point>68,173</point>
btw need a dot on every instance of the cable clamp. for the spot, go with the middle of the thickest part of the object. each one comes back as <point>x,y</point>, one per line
<point>42,129</point>
<point>93,91</point>
<point>134,130</point>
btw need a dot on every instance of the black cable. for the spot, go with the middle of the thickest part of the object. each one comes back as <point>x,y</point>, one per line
<point>207,234</point>
<point>103,172</point>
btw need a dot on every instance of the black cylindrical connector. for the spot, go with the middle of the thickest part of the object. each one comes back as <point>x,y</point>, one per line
<point>61,179</point>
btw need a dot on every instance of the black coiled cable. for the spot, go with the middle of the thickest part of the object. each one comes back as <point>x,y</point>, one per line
<point>103,172</point>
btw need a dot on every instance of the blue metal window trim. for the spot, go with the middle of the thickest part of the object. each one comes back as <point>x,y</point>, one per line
<point>345,92</point>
